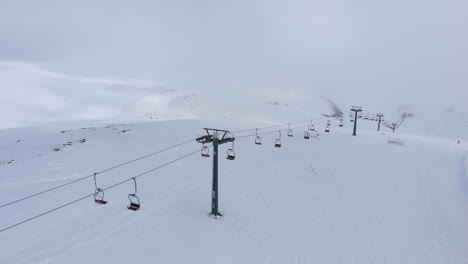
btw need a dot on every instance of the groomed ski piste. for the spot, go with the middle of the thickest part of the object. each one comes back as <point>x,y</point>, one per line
<point>333,198</point>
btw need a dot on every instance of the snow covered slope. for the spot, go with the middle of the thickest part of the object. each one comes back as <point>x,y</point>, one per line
<point>331,199</point>
<point>35,94</point>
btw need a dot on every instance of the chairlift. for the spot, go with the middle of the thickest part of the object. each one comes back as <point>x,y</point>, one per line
<point>341,123</point>
<point>327,129</point>
<point>278,141</point>
<point>231,155</point>
<point>205,152</point>
<point>306,134</point>
<point>290,132</point>
<point>134,199</point>
<point>258,139</point>
<point>328,122</point>
<point>98,193</point>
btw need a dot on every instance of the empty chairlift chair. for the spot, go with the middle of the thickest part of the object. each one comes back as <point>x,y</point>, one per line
<point>258,140</point>
<point>134,199</point>
<point>290,132</point>
<point>327,129</point>
<point>306,135</point>
<point>205,152</point>
<point>278,141</point>
<point>231,155</point>
<point>98,193</point>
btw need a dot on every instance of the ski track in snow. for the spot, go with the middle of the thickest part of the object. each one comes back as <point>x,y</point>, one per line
<point>430,215</point>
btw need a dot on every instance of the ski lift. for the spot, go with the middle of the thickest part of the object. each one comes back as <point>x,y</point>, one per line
<point>231,155</point>
<point>328,122</point>
<point>278,141</point>
<point>290,132</point>
<point>307,134</point>
<point>312,127</point>
<point>341,123</point>
<point>98,193</point>
<point>258,140</point>
<point>327,129</point>
<point>205,152</point>
<point>134,199</point>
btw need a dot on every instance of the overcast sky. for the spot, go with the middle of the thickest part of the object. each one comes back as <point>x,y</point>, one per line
<point>380,49</point>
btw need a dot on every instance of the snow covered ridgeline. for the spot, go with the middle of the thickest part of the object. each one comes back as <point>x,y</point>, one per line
<point>334,199</point>
<point>35,94</point>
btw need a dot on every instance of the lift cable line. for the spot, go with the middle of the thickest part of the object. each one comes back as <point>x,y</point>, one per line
<point>135,160</point>
<point>275,126</point>
<point>92,194</point>
<point>143,157</point>
<point>276,131</point>
<point>93,175</point>
<point>210,138</point>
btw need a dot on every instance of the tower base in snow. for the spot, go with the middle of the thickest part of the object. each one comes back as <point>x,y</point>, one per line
<point>215,215</point>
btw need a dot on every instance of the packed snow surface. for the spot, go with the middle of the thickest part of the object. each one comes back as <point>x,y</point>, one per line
<point>334,198</point>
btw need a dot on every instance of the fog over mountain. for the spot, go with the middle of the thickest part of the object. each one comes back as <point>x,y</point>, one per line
<point>240,54</point>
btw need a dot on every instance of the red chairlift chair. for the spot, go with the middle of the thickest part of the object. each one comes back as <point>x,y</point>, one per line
<point>205,152</point>
<point>231,155</point>
<point>98,193</point>
<point>258,140</point>
<point>290,132</point>
<point>134,199</point>
<point>278,141</point>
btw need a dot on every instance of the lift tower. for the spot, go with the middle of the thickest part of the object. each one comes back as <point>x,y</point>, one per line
<point>217,137</point>
<point>355,109</point>
<point>380,116</point>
